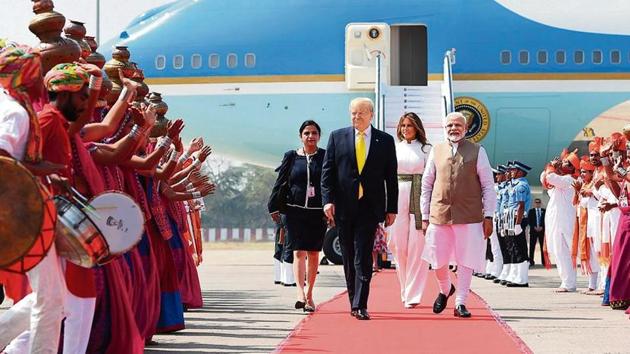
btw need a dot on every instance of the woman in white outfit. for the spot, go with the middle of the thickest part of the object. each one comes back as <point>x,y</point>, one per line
<point>406,240</point>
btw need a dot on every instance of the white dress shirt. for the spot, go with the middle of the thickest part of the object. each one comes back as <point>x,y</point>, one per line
<point>484,171</point>
<point>14,126</point>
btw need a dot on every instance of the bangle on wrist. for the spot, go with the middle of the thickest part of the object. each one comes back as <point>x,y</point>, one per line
<point>124,94</point>
<point>184,157</point>
<point>135,131</point>
<point>164,143</point>
<point>196,163</point>
<point>190,187</point>
<point>196,194</point>
<point>604,161</point>
<point>95,82</point>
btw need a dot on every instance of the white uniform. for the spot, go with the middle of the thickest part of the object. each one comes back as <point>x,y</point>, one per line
<point>592,227</point>
<point>462,243</point>
<point>41,312</point>
<point>405,241</point>
<point>560,221</point>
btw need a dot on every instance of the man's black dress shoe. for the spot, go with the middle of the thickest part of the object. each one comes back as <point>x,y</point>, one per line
<point>496,281</point>
<point>440,302</point>
<point>514,285</point>
<point>1,293</point>
<point>353,313</point>
<point>461,311</point>
<point>490,277</point>
<point>294,284</point>
<point>277,282</point>
<point>362,314</point>
<point>504,282</point>
<point>300,304</point>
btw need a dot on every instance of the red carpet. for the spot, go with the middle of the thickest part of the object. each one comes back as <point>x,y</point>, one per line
<point>394,329</point>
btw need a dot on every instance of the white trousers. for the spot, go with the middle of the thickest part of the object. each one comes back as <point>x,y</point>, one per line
<point>41,312</point>
<point>519,273</point>
<point>495,267</point>
<point>78,324</point>
<point>406,244</point>
<point>462,243</point>
<point>562,253</point>
<point>287,273</point>
<point>277,270</point>
<point>505,271</point>
<point>595,268</point>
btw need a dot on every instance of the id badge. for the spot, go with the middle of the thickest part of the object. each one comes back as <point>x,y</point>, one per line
<point>310,192</point>
<point>623,201</point>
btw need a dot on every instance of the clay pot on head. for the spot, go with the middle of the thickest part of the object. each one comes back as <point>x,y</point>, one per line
<point>76,30</point>
<point>47,25</point>
<point>64,50</point>
<point>159,129</point>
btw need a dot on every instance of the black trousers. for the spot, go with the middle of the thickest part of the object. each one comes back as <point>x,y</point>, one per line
<point>356,236</point>
<point>533,238</point>
<point>516,247</point>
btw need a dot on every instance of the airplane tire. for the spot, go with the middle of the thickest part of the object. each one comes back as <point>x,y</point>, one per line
<point>332,247</point>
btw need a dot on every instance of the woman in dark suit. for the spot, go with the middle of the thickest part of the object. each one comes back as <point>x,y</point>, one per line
<point>305,223</point>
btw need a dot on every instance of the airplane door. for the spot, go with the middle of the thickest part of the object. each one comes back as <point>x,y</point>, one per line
<point>523,134</point>
<point>363,42</point>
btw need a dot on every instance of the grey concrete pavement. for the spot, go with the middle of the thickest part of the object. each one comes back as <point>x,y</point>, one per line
<point>245,312</point>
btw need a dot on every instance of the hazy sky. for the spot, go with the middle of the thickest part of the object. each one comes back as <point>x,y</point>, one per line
<point>115,15</point>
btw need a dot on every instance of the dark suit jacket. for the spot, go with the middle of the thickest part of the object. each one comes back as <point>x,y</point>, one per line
<point>531,217</point>
<point>340,174</point>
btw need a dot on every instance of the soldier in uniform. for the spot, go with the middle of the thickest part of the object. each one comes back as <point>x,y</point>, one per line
<point>520,203</point>
<point>493,252</point>
<point>503,223</point>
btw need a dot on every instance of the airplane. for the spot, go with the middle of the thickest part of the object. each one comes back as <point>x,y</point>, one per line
<point>245,73</point>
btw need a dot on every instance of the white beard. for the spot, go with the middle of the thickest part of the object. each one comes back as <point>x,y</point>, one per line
<point>453,138</point>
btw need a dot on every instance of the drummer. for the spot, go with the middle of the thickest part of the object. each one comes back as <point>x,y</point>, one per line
<point>42,310</point>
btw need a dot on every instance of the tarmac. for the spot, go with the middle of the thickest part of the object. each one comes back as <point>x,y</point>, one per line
<point>245,312</point>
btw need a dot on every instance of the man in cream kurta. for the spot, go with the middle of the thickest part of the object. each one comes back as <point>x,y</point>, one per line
<point>458,203</point>
<point>560,219</point>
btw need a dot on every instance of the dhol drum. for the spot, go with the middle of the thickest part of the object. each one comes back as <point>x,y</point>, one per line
<point>79,239</point>
<point>121,222</point>
<point>27,218</point>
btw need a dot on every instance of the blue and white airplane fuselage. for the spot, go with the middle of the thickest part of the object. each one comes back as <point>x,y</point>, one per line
<point>245,74</point>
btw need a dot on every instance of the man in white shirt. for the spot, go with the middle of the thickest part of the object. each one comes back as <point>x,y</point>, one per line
<point>560,217</point>
<point>458,203</point>
<point>42,310</point>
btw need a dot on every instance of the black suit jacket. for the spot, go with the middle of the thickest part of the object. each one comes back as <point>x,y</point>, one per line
<point>531,217</point>
<point>340,174</point>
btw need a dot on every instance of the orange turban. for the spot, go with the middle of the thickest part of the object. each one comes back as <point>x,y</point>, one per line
<point>585,164</point>
<point>594,145</point>
<point>573,159</point>
<point>618,141</point>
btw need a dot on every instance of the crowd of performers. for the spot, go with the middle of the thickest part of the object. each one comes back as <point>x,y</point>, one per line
<point>64,123</point>
<point>587,221</point>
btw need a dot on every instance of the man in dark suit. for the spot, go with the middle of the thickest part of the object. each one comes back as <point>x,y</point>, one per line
<point>359,190</point>
<point>536,218</point>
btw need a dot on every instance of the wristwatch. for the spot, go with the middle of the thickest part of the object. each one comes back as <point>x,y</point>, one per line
<point>488,217</point>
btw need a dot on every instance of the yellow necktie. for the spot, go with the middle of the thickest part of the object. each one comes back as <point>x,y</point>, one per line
<point>360,150</point>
